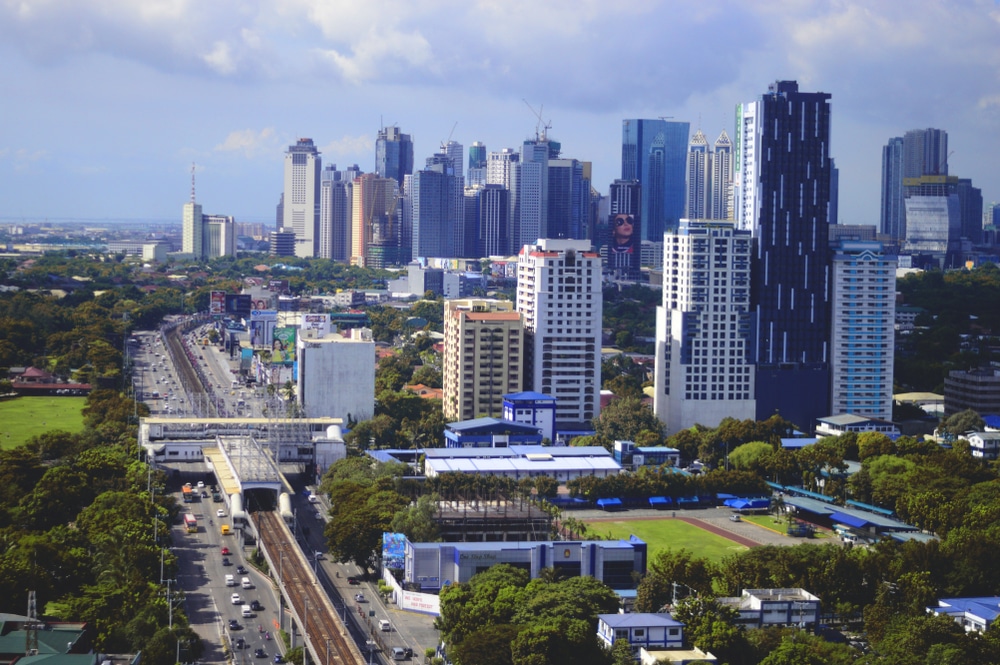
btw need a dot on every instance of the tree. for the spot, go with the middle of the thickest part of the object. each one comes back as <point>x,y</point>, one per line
<point>624,419</point>
<point>428,375</point>
<point>667,568</point>
<point>960,423</point>
<point>360,514</point>
<point>750,456</point>
<point>711,627</point>
<point>621,653</point>
<point>417,520</point>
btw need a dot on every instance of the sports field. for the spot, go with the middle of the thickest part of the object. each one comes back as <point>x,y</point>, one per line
<point>666,533</point>
<point>24,417</point>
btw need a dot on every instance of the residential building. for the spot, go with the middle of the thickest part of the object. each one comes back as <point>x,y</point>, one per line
<point>976,389</point>
<point>375,231</point>
<point>709,178</point>
<point>487,213</point>
<point>984,445</point>
<point>782,179</point>
<point>654,152</point>
<point>844,423</point>
<point>300,204</point>
<point>698,177</point>
<point>763,608</point>
<point>646,630</point>
<point>218,236</point>
<point>192,229</point>
<point>892,217</point>
<point>336,374</point>
<point>863,340</point>
<point>437,205</point>
<point>336,196</point>
<point>282,243</point>
<point>393,155</point>
<point>973,614</point>
<point>484,354</point>
<point>531,408</point>
<point>559,296</point>
<point>703,327</point>
<point>720,198</point>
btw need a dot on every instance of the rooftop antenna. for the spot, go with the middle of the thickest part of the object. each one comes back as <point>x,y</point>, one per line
<point>545,126</point>
<point>192,182</point>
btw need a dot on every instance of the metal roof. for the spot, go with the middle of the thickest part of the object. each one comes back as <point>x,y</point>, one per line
<point>639,620</point>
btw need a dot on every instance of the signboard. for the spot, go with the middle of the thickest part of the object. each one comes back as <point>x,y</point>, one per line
<point>262,324</point>
<point>393,550</point>
<point>239,304</point>
<point>318,322</point>
<point>427,603</point>
<point>217,303</point>
<point>278,285</point>
<point>283,345</point>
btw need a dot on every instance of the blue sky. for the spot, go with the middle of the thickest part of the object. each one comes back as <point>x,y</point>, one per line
<point>106,103</point>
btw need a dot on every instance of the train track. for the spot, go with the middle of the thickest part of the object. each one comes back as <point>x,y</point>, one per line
<point>326,634</point>
<point>192,383</point>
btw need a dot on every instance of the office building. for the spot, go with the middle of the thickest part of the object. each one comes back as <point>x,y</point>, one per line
<point>654,152</point>
<point>437,209</point>
<point>698,177</point>
<point>531,408</point>
<point>703,327</point>
<point>393,155</point>
<point>933,219</point>
<point>765,608</point>
<point>568,199</point>
<point>487,213</point>
<point>192,229</point>
<point>925,152</point>
<point>300,204</point>
<point>477,165</point>
<point>720,197</point>
<point>917,153</point>
<point>218,236</point>
<point>970,210</point>
<point>336,374</point>
<point>782,177</point>
<point>336,196</point>
<point>977,389</point>
<point>624,230</point>
<point>484,357</point>
<point>559,296</point>
<point>862,346</point>
<point>282,243</point>
<point>375,233</point>
<point>709,178</point>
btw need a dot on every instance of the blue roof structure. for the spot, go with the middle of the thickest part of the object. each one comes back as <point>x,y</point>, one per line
<point>794,443</point>
<point>659,500</point>
<point>869,507</point>
<point>985,607</point>
<point>529,394</point>
<point>849,520</point>
<point>608,504</point>
<point>639,620</point>
<point>492,425</point>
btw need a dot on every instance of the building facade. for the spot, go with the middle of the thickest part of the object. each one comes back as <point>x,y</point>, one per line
<point>393,154</point>
<point>976,389</point>
<point>559,296</point>
<point>783,182</point>
<point>336,197</point>
<point>374,219</point>
<point>300,204</point>
<point>863,339</point>
<point>218,236</point>
<point>484,354</point>
<point>336,376</point>
<point>531,408</point>
<point>703,327</point>
<point>192,229</point>
<point>654,152</point>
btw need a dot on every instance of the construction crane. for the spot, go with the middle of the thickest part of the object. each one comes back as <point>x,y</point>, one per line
<point>444,144</point>
<point>546,126</point>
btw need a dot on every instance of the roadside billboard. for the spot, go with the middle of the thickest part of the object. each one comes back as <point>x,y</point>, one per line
<point>262,324</point>
<point>317,322</point>
<point>239,305</point>
<point>217,303</point>
<point>283,345</point>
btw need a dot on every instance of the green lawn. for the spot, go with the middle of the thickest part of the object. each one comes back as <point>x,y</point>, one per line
<point>667,533</point>
<point>24,417</point>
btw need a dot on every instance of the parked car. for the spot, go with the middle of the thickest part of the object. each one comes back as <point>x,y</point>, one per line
<point>353,580</point>
<point>735,518</point>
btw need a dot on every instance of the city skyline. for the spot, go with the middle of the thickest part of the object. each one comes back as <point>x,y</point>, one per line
<point>103,92</point>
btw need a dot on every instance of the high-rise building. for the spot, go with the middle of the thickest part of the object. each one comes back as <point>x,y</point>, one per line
<point>863,340</point>
<point>654,152</point>
<point>437,203</point>
<point>335,198</point>
<point>393,154</point>
<point>336,374</point>
<point>192,229</point>
<point>300,209</point>
<point>703,327</point>
<point>720,197</point>
<point>624,229</point>
<point>925,152</point>
<point>534,222</point>
<point>218,236</point>
<point>892,218</point>
<point>783,198</point>
<point>484,356</point>
<point>933,219</point>
<point>487,212</point>
<point>374,221</point>
<point>569,199</point>
<point>699,177</point>
<point>282,243</point>
<point>970,203</point>
<point>559,296</point>
<point>477,164</point>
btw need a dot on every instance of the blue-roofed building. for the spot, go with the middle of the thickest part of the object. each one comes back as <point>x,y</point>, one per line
<point>531,408</point>
<point>628,454</point>
<point>992,422</point>
<point>490,433</point>
<point>848,422</point>
<point>644,630</point>
<point>984,445</point>
<point>517,461</point>
<point>973,614</point>
<point>429,566</point>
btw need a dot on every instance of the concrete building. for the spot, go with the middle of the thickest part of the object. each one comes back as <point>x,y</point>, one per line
<point>336,197</point>
<point>490,433</point>
<point>531,408</point>
<point>192,229</point>
<point>561,463</point>
<point>709,178</point>
<point>559,296</point>
<point>393,154</point>
<point>484,355</point>
<point>336,376</point>
<point>300,211</point>
<point>374,222</point>
<point>218,236</point>
<point>762,608</point>
<point>646,630</point>
<point>703,327</point>
<point>654,152</point>
<point>976,389</point>
<point>973,614</point>
<point>984,445</point>
<point>863,339</point>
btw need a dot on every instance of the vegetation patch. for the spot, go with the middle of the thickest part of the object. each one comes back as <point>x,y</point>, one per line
<point>26,417</point>
<point>669,534</point>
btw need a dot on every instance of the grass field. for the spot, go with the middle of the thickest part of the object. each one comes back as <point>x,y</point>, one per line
<point>24,417</point>
<point>673,534</point>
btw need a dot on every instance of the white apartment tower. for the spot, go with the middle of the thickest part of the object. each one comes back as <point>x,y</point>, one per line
<point>191,225</point>
<point>559,296</point>
<point>218,236</point>
<point>698,177</point>
<point>703,326</point>
<point>300,213</point>
<point>864,287</point>
<point>484,356</point>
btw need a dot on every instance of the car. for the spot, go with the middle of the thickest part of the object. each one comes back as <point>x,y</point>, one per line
<point>318,556</point>
<point>259,653</point>
<point>240,570</point>
<point>224,551</point>
<point>360,597</point>
<point>241,643</point>
<point>256,606</point>
<point>234,624</point>
<point>235,598</point>
<point>220,513</point>
<point>735,518</point>
<point>353,581</point>
<point>278,658</point>
<point>226,561</point>
<point>398,653</point>
<point>201,484</point>
<point>204,495</point>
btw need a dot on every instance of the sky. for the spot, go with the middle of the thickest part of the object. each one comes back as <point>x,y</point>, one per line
<point>106,104</point>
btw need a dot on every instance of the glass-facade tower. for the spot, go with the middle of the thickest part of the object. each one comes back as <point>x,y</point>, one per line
<point>654,152</point>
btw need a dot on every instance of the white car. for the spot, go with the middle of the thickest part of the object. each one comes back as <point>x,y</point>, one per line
<point>220,513</point>
<point>237,600</point>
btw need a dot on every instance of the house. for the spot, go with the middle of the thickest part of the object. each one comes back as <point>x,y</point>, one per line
<point>848,422</point>
<point>984,445</point>
<point>676,657</point>
<point>973,614</point>
<point>644,630</point>
<point>760,608</point>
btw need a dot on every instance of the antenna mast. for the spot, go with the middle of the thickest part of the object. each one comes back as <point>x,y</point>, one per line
<point>192,182</point>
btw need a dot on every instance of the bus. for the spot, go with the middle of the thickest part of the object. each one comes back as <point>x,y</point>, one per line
<point>191,523</point>
<point>188,493</point>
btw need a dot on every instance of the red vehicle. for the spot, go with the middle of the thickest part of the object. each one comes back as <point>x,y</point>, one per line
<point>225,551</point>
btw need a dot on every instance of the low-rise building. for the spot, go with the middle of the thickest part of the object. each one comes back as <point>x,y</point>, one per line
<point>517,462</point>
<point>532,408</point>
<point>761,608</point>
<point>676,657</point>
<point>848,422</point>
<point>977,389</point>
<point>490,433</point>
<point>644,630</point>
<point>984,445</point>
<point>973,614</point>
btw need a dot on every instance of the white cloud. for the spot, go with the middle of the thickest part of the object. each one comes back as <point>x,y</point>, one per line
<point>250,143</point>
<point>349,146</point>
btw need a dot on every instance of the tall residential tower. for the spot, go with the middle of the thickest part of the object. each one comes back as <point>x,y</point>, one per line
<point>301,199</point>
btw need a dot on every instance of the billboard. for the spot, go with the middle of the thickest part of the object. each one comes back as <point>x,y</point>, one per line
<point>262,324</point>
<point>283,345</point>
<point>624,229</point>
<point>393,550</point>
<point>318,322</point>
<point>238,304</point>
<point>278,285</point>
<point>217,303</point>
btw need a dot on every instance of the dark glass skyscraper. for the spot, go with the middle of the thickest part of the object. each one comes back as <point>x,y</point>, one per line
<point>654,152</point>
<point>783,197</point>
<point>393,154</point>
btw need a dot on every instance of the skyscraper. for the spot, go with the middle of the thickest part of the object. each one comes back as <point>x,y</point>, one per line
<point>559,296</point>
<point>437,202</point>
<point>654,152</point>
<point>892,217</point>
<point>783,182</point>
<point>624,229</point>
<point>191,228</point>
<point>218,236</point>
<point>477,164</point>
<point>487,212</point>
<point>569,199</point>
<point>925,152</point>
<point>335,199</point>
<point>374,219</point>
<point>720,197</point>
<point>301,199</point>
<point>698,177</point>
<point>393,154</point>
<point>703,327</point>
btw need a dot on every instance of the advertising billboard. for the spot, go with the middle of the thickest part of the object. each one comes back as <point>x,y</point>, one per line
<point>262,324</point>
<point>239,304</point>
<point>393,550</point>
<point>624,229</point>
<point>217,303</point>
<point>283,345</point>
<point>317,322</point>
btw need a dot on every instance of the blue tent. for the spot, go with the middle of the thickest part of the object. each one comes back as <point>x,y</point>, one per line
<point>659,501</point>
<point>609,504</point>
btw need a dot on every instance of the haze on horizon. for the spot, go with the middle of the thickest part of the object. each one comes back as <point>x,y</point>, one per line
<point>107,103</point>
